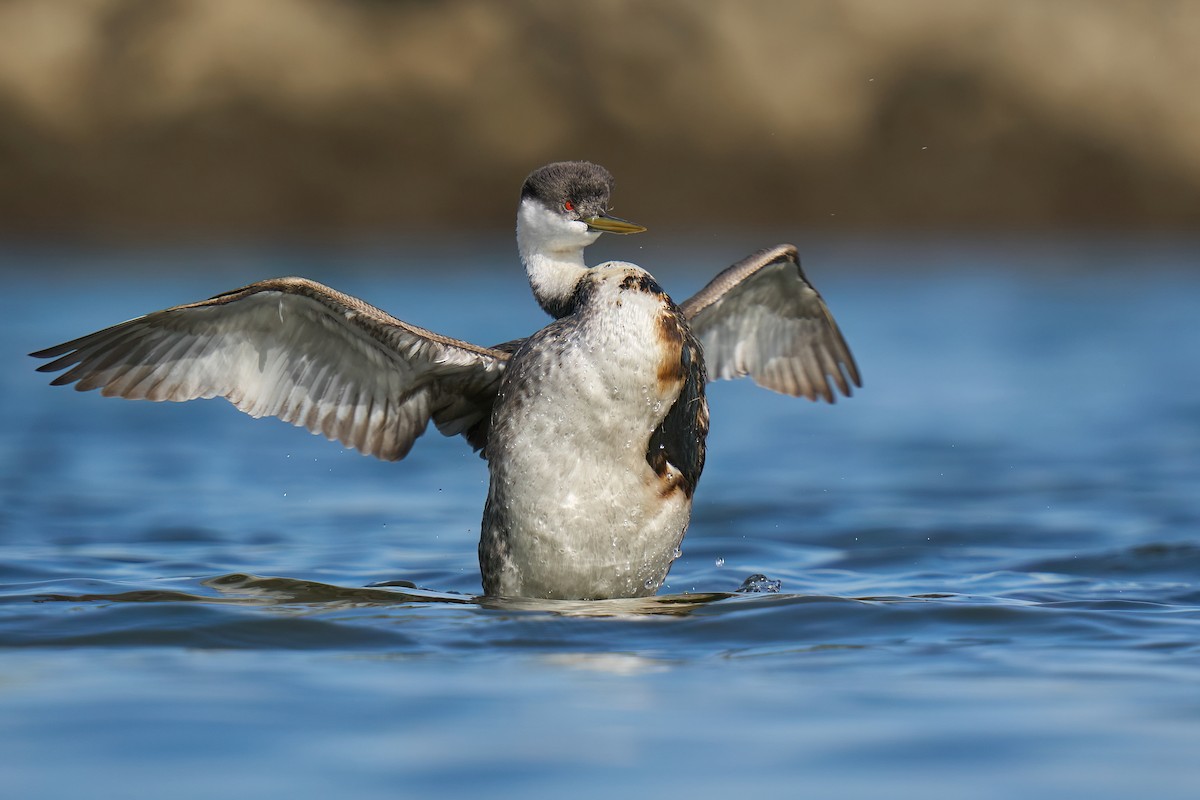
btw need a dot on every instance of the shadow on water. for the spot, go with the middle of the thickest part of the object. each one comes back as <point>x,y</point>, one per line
<point>243,589</point>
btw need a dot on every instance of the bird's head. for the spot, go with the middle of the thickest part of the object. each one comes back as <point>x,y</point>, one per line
<point>564,207</point>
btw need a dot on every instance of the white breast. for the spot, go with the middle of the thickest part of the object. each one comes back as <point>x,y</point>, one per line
<point>574,510</point>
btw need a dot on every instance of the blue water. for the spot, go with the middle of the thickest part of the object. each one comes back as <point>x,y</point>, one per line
<point>988,558</point>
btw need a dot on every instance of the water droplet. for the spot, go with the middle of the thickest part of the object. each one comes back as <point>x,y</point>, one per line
<point>759,584</point>
<point>720,562</point>
<point>676,554</point>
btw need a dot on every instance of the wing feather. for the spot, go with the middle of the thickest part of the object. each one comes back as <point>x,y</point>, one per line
<point>294,349</point>
<point>762,318</point>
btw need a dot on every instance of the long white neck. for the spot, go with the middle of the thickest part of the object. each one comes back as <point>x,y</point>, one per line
<point>551,248</point>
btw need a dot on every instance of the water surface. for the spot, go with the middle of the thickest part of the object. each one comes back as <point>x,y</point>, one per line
<point>987,559</point>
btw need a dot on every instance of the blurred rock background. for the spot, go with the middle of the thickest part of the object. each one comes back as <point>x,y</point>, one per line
<point>195,119</point>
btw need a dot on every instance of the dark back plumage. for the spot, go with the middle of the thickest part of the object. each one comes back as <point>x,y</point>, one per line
<point>679,439</point>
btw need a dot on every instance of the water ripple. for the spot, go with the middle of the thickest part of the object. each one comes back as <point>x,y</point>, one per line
<point>242,611</point>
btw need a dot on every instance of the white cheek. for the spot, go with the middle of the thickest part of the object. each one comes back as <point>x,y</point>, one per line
<point>540,229</point>
<point>574,233</point>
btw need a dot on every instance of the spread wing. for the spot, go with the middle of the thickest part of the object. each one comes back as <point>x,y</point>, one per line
<point>294,349</point>
<point>762,318</point>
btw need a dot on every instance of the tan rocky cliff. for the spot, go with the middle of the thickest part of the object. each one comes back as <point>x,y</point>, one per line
<point>150,118</point>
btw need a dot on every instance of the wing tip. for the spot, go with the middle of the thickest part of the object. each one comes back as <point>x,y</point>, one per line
<point>846,387</point>
<point>51,352</point>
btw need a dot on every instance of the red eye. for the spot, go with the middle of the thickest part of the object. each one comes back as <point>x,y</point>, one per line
<point>568,206</point>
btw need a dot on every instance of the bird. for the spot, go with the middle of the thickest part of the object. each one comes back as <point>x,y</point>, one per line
<point>593,428</point>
